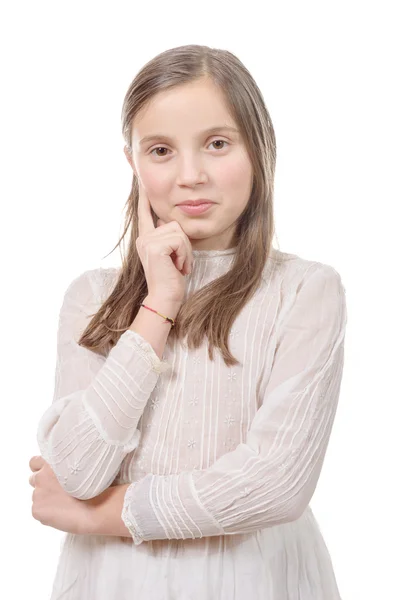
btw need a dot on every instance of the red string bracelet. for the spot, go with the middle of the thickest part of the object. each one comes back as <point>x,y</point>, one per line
<point>167,319</point>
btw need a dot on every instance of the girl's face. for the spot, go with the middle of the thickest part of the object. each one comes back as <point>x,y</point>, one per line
<point>185,160</point>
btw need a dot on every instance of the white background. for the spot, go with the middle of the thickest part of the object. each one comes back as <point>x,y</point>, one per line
<point>329,73</point>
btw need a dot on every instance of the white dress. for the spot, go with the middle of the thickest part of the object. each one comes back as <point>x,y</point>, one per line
<point>223,461</point>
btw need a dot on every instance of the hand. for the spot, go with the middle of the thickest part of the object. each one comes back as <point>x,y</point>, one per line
<point>165,253</point>
<point>52,505</point>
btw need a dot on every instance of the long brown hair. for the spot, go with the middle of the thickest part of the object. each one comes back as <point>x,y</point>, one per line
<point>211,310</point>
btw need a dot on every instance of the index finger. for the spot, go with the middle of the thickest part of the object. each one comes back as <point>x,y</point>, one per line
<point>145,218</point>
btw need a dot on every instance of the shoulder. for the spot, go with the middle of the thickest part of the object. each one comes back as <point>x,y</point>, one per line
<point>92,286</point>
<point>289,272</point>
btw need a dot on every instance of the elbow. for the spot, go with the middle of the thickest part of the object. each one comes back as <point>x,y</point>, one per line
<point>296,510</point>
<point>289,500</point>
<point>299,502</point>
<point>299,487</point>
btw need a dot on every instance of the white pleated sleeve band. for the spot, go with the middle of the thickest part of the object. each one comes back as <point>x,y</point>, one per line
<point>270,478</point>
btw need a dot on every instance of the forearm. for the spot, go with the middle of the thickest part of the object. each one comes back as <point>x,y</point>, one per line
<point>104,515</point>
<point>151,326</point>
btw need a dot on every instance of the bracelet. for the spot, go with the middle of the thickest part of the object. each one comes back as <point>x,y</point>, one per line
<point>167,319</point>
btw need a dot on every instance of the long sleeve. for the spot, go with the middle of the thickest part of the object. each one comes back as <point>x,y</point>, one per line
<point>271,478</point>
<point>92,422</point>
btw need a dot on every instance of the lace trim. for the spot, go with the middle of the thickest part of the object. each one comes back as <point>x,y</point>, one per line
<point>127,518</point>
<point>146,350</point>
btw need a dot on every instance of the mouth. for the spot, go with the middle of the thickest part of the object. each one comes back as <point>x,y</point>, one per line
<point>196,209</point>
<point>196,202</point>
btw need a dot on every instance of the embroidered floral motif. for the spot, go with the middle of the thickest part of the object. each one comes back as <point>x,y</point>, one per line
<point>232,375</point>
<point>234,333</point>
<point>75,468</point>
<point>155,403</point>
<point>229,420</point>
<point>194,401</point>
<point>191,443</point>
<point>245,492</point>
<point>196,359</point>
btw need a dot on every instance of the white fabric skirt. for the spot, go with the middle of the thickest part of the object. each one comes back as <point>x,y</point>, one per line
<point>285,562</point>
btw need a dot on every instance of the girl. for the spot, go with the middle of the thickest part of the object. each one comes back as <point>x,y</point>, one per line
<point>196,386</point>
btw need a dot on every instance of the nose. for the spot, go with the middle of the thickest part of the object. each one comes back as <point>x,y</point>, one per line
<point>191,171</point>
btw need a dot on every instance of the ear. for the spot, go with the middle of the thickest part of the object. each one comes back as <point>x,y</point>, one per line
<point>129,159</point>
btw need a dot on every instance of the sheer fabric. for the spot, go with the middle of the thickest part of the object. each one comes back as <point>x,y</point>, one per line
<point>222,461</point>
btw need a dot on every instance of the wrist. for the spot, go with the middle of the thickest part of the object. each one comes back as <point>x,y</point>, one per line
<point>168,307</point>
<point>103,513</point>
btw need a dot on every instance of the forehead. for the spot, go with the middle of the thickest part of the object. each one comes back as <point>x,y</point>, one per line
<point>193,108</point>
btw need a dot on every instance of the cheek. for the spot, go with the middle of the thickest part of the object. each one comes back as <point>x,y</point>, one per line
<point>157,186</point>
<point>236,175</point>
<point>154,181</point>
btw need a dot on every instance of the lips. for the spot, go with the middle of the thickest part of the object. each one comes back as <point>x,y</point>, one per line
<point>197,209</point>
<point>195,202</point>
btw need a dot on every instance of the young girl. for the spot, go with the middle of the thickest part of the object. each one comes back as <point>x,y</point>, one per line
<point>197,385</point>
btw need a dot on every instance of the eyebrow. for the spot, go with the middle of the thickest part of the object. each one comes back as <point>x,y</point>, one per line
<point>160,136</point>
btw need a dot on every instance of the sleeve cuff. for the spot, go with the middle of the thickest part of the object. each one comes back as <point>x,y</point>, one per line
<point>161,507</point>
<point>146,351</point>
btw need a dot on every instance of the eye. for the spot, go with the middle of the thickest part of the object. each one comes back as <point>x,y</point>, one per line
<point>164,148</point>
<point>159,148</point>
<point>223,141</point>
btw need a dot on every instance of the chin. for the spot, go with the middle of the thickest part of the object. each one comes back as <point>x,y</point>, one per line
<point>197,230</point>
